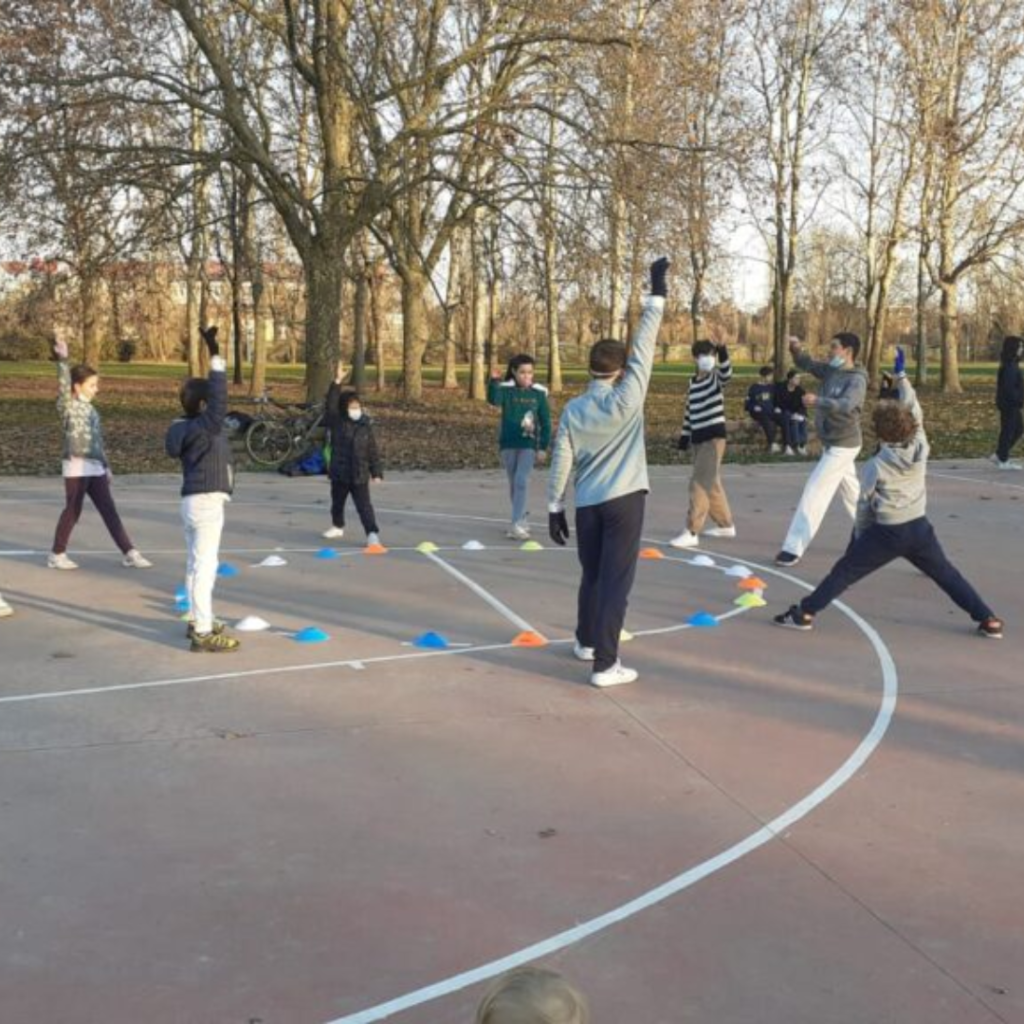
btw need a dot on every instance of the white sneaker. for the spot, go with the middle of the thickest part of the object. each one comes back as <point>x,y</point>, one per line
<point>135,560</point>
<point>802,450</point>
<point>994,459</point>
<point>334,533</point>
<point>685,540</point>
<point>60,561</point>
<point>788,451</point>
<point>1008,465</point>
<point>775,448</point>
<point>720,531</point>
<point>517,532</point>
<point>372,540</point>
<point>6,609</point>
<point>614,676</point>
<point>581,652</point>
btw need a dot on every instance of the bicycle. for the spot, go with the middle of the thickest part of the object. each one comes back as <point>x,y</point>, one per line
<point>272,438</point>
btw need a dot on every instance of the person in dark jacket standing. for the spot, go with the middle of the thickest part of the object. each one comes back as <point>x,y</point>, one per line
<point>355,461</point>
<point>199,440</point>
<point>1009,401</point>
<point>759,405</point>
<point>789,405</point>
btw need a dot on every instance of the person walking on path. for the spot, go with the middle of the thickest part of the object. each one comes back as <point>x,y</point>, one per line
<point>837,410</point>
<point>891,518</point>
<point>1009,401</point>
<point>524,432</point>
<point>600,443</point>
<point>704,428</point>
<point>200,442</point>
<point>84,464</point>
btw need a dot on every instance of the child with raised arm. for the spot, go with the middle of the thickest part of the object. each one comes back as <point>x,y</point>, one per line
<point>84,463</point>
<point>600,443</point>
<point>704,428</point>
<point>524,432</point>
<point>200,442</point>
<point>891,521</point>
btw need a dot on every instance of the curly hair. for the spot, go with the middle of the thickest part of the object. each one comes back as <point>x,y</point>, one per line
<point>894,422</point>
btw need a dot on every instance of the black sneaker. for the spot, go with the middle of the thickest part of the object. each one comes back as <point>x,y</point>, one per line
<point>218,628</point>
<point>786,558</point>
<point>794,618</point>
<point>992,628</point>
<point>213,643</point>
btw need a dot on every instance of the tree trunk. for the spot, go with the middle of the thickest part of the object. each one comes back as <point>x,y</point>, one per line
<point>551,316</point>
<point>324,279</point>
<point>452,303</point>
<point>359,329</point>
<point>949,327</point>
<point>414,332</point>
<point>478,324</point>
<point>90,295</point>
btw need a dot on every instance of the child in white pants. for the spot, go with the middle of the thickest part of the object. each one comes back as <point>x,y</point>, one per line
<point>200,442</point>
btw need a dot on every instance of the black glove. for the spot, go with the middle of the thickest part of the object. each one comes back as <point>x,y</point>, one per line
<point>558,528</point>
<point>659,276</point>
<point>210,337</point>
<point>683,444</point>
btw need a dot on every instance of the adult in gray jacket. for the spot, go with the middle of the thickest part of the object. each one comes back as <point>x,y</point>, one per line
<point>837,410</point>
<point>600,442</point>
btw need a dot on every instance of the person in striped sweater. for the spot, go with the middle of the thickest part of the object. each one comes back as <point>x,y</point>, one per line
<point>704,429</point>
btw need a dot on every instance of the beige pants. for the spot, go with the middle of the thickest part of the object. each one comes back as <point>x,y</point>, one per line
<point>707,496</point>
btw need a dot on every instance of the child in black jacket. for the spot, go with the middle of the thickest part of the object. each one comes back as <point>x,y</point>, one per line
<point>355,461</point>
<point>1009,401</point>
<point>759,405</point>
<point>200,442</point>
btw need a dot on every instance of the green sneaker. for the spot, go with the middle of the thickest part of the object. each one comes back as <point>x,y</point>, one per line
<point>213,643</point>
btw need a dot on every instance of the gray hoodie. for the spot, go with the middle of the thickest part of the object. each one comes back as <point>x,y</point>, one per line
<point>892,485</point>
<point>840,402</point>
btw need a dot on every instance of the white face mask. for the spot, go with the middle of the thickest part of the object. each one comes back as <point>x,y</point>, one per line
<point>837,362</point>
<point>355,414</point>
<point>705,363</point>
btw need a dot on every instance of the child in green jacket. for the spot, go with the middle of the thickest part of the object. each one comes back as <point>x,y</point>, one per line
<point>524,434</point>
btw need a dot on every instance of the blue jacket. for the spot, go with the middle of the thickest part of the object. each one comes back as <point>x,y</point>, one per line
<point>201,443</point>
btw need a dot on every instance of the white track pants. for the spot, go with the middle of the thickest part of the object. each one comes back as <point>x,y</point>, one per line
<point>836,470</point>
<point>203,516</point>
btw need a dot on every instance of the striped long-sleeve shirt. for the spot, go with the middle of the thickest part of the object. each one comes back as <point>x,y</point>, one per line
<point>705,403</point>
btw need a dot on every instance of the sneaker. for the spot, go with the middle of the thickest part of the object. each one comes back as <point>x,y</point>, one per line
<point>135,560</point>
<point>794,618</point>
<point>788,451</point>
<point>786,558</point>
<point>992,628</point>
<point>517,532</point>
<point>614,676</point>
<point>774,448</point>
<point>334,533</point>
<point>218,628</point>
<point>581,652</point>
<point>685,540</point>
<point>802,450</point>
<point>372,540</point>
<point>60,561</point>
<point>994,459</point>
<point>720,531</point>
<point>213,643</point>
<point>1008,465</point>
<point>6,609</point>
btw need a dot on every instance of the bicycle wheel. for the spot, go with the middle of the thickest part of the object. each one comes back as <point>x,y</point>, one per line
<point>268,443</point>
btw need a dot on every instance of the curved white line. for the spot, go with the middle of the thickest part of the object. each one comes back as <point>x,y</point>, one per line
<point>688,878</point>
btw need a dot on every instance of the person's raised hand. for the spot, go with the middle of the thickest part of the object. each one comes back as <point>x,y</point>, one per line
<point>210,337</point>
<point>659,276</point>
<point>558,528</point>
<point>899,365</point>
<point>60,349</point>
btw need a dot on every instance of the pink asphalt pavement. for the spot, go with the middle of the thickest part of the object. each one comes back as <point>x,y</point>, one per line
<point>340,831</point>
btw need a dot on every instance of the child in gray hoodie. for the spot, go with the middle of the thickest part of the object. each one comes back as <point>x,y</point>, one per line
<point>891,520</point>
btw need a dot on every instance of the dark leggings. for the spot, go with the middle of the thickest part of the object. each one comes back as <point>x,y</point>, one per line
<point>877,546</point>
<point>1011,427</point>
<point>98,489</point>
<point>340,490</point>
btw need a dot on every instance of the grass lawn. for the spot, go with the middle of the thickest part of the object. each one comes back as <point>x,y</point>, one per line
<point>445,431</point>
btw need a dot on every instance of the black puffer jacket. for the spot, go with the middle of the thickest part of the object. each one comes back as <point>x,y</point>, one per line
<point>354,455</point>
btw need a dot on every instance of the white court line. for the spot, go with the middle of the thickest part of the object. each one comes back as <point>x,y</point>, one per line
<point>772,830</point>
<point>979,480</point>
<point>485,595</point>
